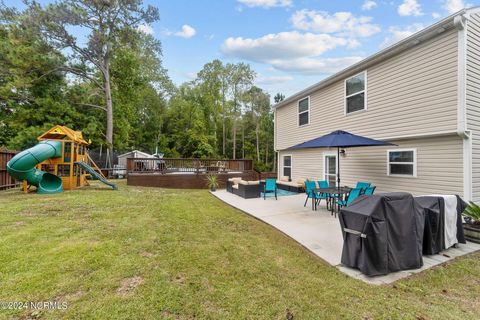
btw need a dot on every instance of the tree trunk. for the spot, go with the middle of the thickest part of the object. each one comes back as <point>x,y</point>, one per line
<point>243,141</point>
<point>109,106</point>
<point>234,138</point>
<point>234,127</point>
<point>223,122</point>
<point>257,134</point>
<point>266,152</point>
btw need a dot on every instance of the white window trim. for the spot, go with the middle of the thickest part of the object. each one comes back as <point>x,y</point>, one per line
<point>291,165</point>
<point>414,163</point>
<point>364,97</point>
<point>298,113</point>
<point>325,155</point>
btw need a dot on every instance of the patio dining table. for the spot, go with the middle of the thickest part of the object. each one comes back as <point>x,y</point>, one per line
<point>333,193</point>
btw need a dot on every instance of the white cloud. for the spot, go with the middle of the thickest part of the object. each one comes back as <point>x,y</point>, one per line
<point>436,15</point>
<point>283,45</point>
<point>186,32</point>
<point>452,6</point>
<point>368,5</point>
<point>343,23</point>
<point>272,80</point>
<point>396,34</point>
<point>291,51</point>
<point>315,65</point>
<point>266,3</point>
<point>145,28</point>
<point>410,8</point>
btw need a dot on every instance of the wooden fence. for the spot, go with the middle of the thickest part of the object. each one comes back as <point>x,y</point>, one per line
<point>6,181</point>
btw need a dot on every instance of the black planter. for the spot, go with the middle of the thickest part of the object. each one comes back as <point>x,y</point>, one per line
<point>472,232</point>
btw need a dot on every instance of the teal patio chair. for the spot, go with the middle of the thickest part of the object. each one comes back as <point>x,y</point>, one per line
<point>270,186</point>
<point>363,185</point>
<point>323,184</point>
<point>354,194</point>
<point>369,191</point>
<point>322,195</point>
<point>309,190</point>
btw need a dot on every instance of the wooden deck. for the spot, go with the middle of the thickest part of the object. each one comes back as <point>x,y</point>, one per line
<point>186,173</point>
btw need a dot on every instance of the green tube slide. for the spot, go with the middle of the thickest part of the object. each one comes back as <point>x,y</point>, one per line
<point>22,166</point>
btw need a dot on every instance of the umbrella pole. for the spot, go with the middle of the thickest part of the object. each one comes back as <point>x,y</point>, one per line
<point>338,168</point>
<point>338,179</point>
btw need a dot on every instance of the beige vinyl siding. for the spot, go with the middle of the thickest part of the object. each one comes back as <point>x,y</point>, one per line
<point>439,166</point>
<point>414,92</point>
<point>306,163</point>
<point>473,98</point>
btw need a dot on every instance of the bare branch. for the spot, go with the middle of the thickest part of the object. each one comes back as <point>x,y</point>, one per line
<point>92,105</point>
<point>82,74</point>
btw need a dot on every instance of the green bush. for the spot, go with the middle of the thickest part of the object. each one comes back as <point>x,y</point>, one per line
<point>473,212</point>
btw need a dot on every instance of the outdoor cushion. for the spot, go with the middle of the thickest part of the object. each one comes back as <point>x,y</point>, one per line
<point>243,182</point>
<point>236,180</point>
<point>284,178</point>
<point>301,181</point>
<point>290,183</point>
<point>235,186</point>
<point>253,182</point>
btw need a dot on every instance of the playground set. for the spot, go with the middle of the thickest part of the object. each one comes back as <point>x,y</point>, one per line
<point>60,161</point>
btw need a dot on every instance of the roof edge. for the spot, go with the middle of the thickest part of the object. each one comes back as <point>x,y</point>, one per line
<point>420,36</point>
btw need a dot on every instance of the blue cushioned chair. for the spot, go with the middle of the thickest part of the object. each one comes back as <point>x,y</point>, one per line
<point>270,186</point>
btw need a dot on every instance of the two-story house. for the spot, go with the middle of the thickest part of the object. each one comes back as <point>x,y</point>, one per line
<point>422,94</point>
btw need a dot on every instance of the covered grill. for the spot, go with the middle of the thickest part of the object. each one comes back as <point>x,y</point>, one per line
<point>443,222</point>
<point>382,233</point>
<point>434,211</point>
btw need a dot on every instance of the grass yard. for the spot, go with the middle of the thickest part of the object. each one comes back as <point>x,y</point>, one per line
<point>146,253</point>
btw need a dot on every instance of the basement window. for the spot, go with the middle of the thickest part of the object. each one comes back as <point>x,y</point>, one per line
<point>402,162</point>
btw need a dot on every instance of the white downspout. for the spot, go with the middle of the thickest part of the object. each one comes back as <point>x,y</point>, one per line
<point>461,23</point>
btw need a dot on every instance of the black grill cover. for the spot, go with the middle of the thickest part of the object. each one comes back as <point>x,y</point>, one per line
<point>461,206</point>
<point>433,236</point>
<point>382,233</point>
<point>434,233</point>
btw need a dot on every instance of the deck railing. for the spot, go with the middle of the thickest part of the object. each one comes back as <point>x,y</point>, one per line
<point>187,165</point>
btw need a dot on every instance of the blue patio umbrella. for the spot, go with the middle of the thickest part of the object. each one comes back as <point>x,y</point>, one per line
<point>340,139</point>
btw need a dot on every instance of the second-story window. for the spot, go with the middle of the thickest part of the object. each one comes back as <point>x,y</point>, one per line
<point>304,111</point>
<point>355,93</point>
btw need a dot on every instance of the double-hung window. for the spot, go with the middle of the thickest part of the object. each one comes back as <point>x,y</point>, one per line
<point>402,162</point>
<point>287,166</point>
<point>356,93</point>
<point>304,111</point>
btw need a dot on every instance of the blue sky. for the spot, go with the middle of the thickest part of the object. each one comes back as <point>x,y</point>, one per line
<point>289,43</point>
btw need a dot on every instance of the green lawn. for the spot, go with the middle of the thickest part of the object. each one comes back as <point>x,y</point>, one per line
<point>151,253</point>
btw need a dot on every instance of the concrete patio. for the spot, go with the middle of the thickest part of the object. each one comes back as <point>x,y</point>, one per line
<point>319,232</point>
